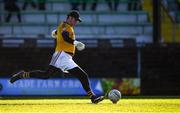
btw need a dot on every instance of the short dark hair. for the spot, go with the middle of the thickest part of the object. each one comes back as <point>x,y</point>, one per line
<point>74,14</point>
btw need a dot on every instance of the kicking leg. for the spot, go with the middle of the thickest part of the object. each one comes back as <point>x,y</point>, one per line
<point>83,77</point>
<point>34,74</point>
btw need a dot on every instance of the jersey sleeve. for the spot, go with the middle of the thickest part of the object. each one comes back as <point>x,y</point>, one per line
<point>67,35</point>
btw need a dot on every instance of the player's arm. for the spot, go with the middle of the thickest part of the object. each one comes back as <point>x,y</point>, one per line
<point>65,35</point>
<point>79,45</point>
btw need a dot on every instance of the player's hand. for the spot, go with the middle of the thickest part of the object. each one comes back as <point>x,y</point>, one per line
<point>54,33</point>
<point>79,45</point>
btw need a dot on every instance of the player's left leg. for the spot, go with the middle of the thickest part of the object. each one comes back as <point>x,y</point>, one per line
<point>34,74</point>
<point>83,77</point>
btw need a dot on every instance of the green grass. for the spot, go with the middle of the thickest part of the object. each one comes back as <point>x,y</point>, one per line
<point>53,105</point>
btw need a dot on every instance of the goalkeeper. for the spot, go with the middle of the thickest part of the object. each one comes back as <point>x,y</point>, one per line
<point>62,58</point>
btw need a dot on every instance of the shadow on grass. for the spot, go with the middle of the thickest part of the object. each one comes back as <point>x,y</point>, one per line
<point>83,97</point>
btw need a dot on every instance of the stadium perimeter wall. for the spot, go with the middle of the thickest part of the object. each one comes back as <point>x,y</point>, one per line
<point>158,65</point>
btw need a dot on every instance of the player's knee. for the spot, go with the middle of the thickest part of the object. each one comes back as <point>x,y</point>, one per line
<point>46,75</point>
<point>84,74</point>
<point>49,72</point>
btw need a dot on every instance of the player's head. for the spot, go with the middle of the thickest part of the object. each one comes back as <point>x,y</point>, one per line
<point>73,17</point>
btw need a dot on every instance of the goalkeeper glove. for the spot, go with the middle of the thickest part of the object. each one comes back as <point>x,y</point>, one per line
<point>54,33</point>
<point>79,45</point>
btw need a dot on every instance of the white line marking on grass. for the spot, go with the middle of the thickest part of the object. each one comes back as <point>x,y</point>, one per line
<point>88,112</point>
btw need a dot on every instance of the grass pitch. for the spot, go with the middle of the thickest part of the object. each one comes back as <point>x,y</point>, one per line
<point>131,105</point>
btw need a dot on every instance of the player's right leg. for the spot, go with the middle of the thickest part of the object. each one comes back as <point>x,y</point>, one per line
<point>84,79</point>
<point>34,74</point>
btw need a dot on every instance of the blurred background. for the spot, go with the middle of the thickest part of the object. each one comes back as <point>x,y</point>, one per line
<point>131,45</point>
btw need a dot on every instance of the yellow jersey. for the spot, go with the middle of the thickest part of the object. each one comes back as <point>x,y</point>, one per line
<point>61,44</point>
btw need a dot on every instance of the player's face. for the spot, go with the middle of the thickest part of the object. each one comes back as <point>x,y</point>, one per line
<point>72,21</point>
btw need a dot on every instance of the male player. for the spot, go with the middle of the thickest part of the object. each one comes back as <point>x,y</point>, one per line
<point>62,58</point>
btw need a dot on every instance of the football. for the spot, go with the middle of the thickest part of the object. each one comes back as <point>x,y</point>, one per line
<point>114,96</point>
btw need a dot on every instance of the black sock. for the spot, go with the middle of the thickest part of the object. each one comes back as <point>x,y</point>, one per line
<point>83,77</point>
<point>40,74</point>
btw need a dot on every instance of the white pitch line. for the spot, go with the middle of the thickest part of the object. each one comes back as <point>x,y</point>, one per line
<point>88,112</point>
